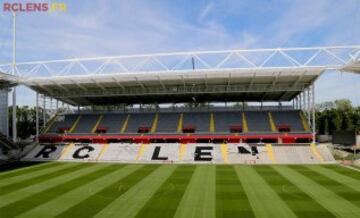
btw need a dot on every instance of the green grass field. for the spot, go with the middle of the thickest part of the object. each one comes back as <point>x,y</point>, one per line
<point>57,189</point>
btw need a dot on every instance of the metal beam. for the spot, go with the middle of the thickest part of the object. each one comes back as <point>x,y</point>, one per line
<point>78,85</point>
<point>335,57</point>
<point>118,83</point>
<point>98,85</point>
<point>140,84</point>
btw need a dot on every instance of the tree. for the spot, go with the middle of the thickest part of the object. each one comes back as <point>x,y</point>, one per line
<point>343,104</point>
<point>336,116</point>
<point>327,105</point>
<point>26,121</point>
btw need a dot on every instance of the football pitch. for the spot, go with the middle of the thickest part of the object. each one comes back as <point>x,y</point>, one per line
<point>56,189</point>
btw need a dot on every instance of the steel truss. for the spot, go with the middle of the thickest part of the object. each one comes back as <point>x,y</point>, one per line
<point>329,58</point>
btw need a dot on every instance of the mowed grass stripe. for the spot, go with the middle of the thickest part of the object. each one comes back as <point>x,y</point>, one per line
<point>355,167</point>
<point>263,199</point>
<point>231,199</point>
<point>345,192</point>
<point>199,197</point>
<point>8,182</point>
<point>344,171</point>
<point>79,194</point>
<point>32,201</point>
<point>327,198</point>
<point>166,199</point>
<point>298,201</point>
<point>46,184</point>
<point>57,172</point>
<point>25,167</point>
<point>340,178</point>
<point>96,202</point>
<point>131,202</point>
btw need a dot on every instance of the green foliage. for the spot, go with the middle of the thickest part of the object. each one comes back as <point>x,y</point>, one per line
<point>337,115</point>
<point>26,121</point>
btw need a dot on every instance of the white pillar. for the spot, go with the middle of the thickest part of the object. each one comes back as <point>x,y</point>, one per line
<point>37,117</point>
<point>44,111</point>
<point>313,112</point>
<point>304,100</point>
<point>298,102</point>
<point>308,105</point>
<point>14,120</point>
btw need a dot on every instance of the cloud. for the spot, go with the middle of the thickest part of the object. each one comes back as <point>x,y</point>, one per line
<point>207,9</point>
<point>100,28</point>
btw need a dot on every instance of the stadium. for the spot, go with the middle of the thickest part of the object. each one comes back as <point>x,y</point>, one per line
<point>219,133</point>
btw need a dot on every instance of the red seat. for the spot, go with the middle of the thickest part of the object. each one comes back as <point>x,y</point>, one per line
<point>63,129</point>
<point>101,129</point>
<point>284,128</point>
<point>143,129</point>
<point>189,128</point>
<point>236,128</point>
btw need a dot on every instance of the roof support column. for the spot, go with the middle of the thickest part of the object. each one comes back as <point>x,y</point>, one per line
<point>37,116</point>
<point>14,119</point>
<point>304,100</point>
<point>300,101</point>
<point>44,111</point>
<point>313,112</point>
<point>308,105</point>
<point>293,103</point>
<point>7,114</point>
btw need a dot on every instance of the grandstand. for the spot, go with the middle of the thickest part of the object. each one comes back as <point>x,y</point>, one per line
<point>94,117</point>
<point>221,124</point>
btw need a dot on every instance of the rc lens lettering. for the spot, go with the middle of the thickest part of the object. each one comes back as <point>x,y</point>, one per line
<point>34,7</point>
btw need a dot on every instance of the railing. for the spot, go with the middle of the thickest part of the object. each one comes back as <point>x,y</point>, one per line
<point>180,89</point>
<point>183,109</point>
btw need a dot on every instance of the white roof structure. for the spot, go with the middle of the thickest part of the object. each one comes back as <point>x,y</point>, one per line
<point>277,74</point>
<point>7,80</point>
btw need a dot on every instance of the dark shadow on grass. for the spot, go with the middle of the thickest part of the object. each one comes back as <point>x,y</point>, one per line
<point>8,166</point>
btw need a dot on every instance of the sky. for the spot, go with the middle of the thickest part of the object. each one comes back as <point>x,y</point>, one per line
<point>118,27</point>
